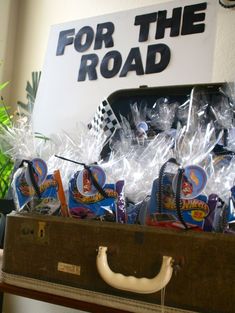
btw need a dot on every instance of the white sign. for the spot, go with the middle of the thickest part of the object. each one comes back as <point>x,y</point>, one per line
<point>166,44</point>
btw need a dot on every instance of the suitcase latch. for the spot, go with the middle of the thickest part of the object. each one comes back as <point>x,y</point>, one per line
<point>41,230</point>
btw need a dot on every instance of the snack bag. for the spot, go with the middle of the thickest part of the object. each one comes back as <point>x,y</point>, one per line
<point>91,198</point>
<point>188,210</point>
<point>34,190</point>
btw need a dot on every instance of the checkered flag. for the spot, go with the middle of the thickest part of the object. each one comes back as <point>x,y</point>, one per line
<point>104,119</point>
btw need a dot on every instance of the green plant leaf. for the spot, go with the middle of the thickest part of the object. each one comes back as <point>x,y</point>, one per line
<point>6,167</point>
<point>5,118</point>
<point>6,164</point>
<point>31,89</point>
<point>3,85</point>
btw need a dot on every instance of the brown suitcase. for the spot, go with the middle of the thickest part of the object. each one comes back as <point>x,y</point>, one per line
<point>59,254</point>
<point>54,251</point>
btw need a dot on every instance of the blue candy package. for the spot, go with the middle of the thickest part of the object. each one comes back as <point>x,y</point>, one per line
<point>40,200</point>
<point>86,202</point>
<point>197,213</point>
<point>27,200</point>
<point>231,210</point>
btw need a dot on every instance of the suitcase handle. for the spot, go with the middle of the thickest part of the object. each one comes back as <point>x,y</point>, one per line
<point>131,283</point>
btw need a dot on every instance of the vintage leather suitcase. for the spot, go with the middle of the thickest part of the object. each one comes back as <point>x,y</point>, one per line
<point>59,255</point>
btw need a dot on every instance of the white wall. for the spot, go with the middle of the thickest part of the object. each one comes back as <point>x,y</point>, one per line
<point>8,20</point>
<point>34,21</point>
<point>224,57</point>
<point>33,18</point>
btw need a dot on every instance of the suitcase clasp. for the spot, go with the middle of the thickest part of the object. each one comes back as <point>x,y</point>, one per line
<point>41,229</point>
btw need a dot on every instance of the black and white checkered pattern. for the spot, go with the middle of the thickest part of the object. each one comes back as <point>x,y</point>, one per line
<point>104,119</point>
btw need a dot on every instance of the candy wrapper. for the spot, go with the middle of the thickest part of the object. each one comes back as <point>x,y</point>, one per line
<point>136,213</point>
<point>231,210</point>
<point>135,127</point>
<point>196,139</point>
<point>81,144</point>
<point>136,155</point>
<point>222,112</point>
<point>88,202</point>
<point>35,191</point>
<point>137,165</point>
<point>221,176</point>
<point>230,140</point>
<point>196,212</point>
<point>162,114</point>
<point>18,141</point>
<point>91,198</point>
<point>195,147</point>
<point>191,151</point>
<point>202,198</point>
<point>193,113</point>
<point>225,117</point>
<point>84,145</point>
